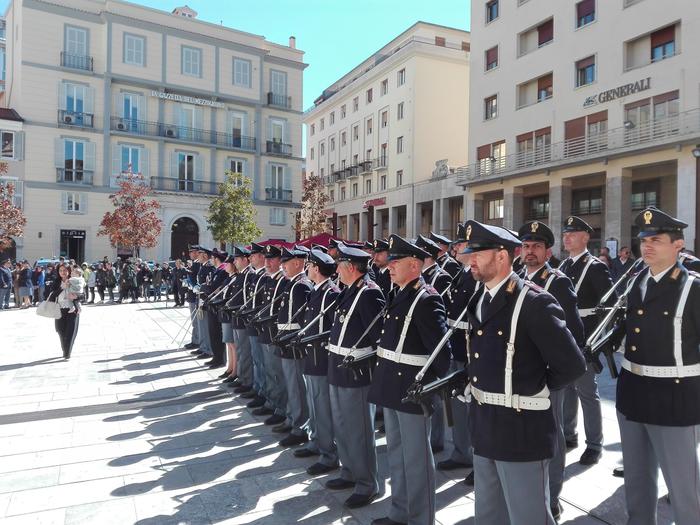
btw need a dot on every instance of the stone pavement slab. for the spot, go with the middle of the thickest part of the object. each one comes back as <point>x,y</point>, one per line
<point>134,430</point>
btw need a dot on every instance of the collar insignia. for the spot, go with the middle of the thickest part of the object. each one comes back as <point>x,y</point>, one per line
<point>511,286</point>
<point>675,273</point>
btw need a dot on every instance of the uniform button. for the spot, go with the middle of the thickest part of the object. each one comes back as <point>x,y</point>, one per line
<point>474,379</point>
<point>678,381</point>
<point>388,316</point>
<point>637,330</point>
<point>665,313</point>
<point>633,348</point>
<point>640,312</point>
<point>382,331</point>
<point>476,355</point>
<point>500,332</point>
<point>397,318</point>
<point>480,332</point>
<point>398,373</point>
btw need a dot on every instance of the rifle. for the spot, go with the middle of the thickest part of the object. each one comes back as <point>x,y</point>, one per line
<point>276,340</point>
<point>446,387</point>
<point>256,319</point>
<point>349,360</point>
<point>291,336</point>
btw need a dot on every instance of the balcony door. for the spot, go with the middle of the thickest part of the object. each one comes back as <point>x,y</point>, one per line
<point>238,128</point>
<point>74,159</point>
<point>186,172</point>
<point>131,110</point>
<point>76,44</point>
<point>278,85</point>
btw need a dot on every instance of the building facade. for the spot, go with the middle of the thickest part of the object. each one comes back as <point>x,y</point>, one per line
<point>584,107</point>
<point>106,87</point>
<point>384,136</point>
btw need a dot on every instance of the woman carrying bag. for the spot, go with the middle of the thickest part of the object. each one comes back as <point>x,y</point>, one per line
<point>67,324</point>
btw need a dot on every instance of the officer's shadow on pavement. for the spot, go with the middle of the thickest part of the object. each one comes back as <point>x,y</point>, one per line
<point>17,366</point>
<point>139,356</point>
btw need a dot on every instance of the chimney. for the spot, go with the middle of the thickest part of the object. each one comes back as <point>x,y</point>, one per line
<point>293,42</point>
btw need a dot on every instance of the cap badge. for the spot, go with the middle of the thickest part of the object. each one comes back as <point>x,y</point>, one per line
<point>534,226</point>
<point>469,231</point>
<point>391,242</point>
<point>375,243</point>
<point>570,221</point>
<point>268,248</point>
<point>647,217</point>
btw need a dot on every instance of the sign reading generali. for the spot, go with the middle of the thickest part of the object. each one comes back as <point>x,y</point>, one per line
<point>381,201</point>
<point>618,92</point>
<point>186,99</point>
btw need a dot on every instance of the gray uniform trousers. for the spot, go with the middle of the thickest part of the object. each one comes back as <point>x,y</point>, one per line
<point>558,463</point>
<point>511,492</point>
<point>645,448</point>
<point>195,323</point>
<point>461,439</point>
<point>204,343</point>
<point>586,389</point>
<point>274,378</point>
<point>320,420</point>
<point>244,362</point>
<point>256,353</point>
<point>353,422</point>
<point>411,467</point>
<point>437,423</point>
<point>297,409</point>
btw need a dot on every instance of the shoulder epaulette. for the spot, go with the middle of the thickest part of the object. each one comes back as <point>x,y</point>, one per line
<point>534,287</point>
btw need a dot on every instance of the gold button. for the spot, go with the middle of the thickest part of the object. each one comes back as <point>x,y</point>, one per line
<point>474,379</point>
<point>633,348</point>
<point>480,332</point>
<point>500,332</point>
<point>637,330</point>
<point>476,355</point>
<point>640,312</point>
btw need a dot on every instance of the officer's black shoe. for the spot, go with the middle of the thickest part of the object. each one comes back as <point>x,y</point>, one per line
<point>190,346</point>
<point>571,443</point>
<point>556,511</point>
<point>203,355</point>
<point>282,428</point>
<point>619,472</point>
<point>451,464</point>
<point>230,379</point>
<point>304,453</point>
<point>250,394</point>
<point>387,521</point>
<point>241,389</point>
<point>257,402</point>
<point>437,448</point>
<point>225,374</point>
<point>360,500</point>
<point>469,480</point>
<point>590,457</point>
<point>216,364</point>
<point>274,419</point>
<point>196,352</point>
<point>293,440</point>
<point>262,411</point>
<point>319,468</point>
<point>339,484</point>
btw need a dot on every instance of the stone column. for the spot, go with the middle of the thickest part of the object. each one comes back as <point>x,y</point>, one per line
<point>618,221</point>
<point>559,209</point>
<point>473,205</point>
<point>444,227</point>
<point>513,202</point>
<point>436,226</point>
<point>363,225</point>
<point>686,191</point>
<point>393,213</point>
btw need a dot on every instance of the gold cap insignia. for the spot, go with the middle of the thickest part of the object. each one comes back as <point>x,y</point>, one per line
<point>647,217</point>
<point>534,226</point>
<point>268,248</point>
<point>375,243</point>
<point>570,221</point>
<point>469,231</point>
<point>391,242</point>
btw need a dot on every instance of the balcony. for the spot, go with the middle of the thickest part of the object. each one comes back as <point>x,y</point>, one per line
<point>171,131</point>
<point>278,101</point>
<point>75,119</point>
<point>624,140</point>
<point>380,163</point>
<point>185,186</point>
<point>74,176</point>
<point>76,61</point>
<point>364,167</point>
<point>278,148</point>
<point>278,194</point>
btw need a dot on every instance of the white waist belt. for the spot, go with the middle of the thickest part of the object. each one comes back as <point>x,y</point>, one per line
<point>356,352</point>
<point>462,325</point>
<point>403,359</point>
<point>661,371</point>
<point>518,402</point>
<point>288,326</point>
<point>586,312</point>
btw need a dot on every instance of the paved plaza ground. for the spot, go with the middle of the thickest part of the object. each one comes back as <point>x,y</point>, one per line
<point>134,430</point>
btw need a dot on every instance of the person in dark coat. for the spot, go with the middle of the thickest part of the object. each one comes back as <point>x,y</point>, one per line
<point>67,325</point>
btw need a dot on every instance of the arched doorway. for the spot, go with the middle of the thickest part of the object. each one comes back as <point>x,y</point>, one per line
<point>183,233</point>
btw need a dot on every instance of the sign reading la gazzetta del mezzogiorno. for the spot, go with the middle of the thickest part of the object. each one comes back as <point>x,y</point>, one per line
<point>618,92</point>
<point>186,99</point>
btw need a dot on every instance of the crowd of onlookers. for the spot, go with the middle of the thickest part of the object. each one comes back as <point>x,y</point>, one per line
<point>23,285</point>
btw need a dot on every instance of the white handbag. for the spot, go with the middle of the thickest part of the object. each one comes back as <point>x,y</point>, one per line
<point>49,309</point>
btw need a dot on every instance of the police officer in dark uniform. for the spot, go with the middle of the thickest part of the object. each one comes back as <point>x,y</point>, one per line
<point>537,241</point>
<point>239,293</point>
<point>414,324</point>
<point>519,350</point>
<point>444,260</point>
<point>213,286</point>
<point>381,268</point>
<point>192,299</point>
<point>356,329</point>
<point>591,279</point>
<point>659,384</point>
<point>432,273</point>
<point>206,270</point>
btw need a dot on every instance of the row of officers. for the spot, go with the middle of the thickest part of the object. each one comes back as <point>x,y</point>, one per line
<point>323,338</point>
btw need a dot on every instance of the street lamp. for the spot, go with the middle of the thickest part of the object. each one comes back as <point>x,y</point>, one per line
<point>696,151</point>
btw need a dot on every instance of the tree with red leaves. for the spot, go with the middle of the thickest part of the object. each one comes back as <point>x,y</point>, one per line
<point>12,219</point>
<point>134,223</point>
<point>313,218</point>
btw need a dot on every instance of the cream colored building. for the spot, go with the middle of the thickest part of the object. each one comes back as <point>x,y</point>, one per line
<point>584,107</point>
<point>384,136</point>
<point>105,86</point>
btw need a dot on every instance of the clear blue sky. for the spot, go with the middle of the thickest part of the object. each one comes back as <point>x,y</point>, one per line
<point>336,35</point>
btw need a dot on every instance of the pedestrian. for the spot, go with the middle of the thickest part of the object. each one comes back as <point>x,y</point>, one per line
<point>86,271</point>
<point>24,282</point>
<point>621,263</point>
<point>157,282</point>
<point>5,284</point>
<point>110,280</point>
<point>91,283</point>
<point>178,276</point>
<point>38,283</point>
<point>67,325</point>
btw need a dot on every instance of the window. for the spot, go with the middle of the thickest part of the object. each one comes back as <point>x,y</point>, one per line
<point>663,43</point>
<point>534,148</point>
<point>342,164</point>
<point>587,201</point>
<point>399,145</point>
<point>440,41</point>
<point>185,171</point>
<point>331,118</point>
<point>491,11</point>
<point>237,166</point>
<point>368,154</point>
<point>323,124</point>
<point>538,207</point>
<point>645,193</point>
<point>77,105</point>
<point>491,107</point>
<point>355,104</point>
<point>368,186</point>
<point>343,138</point>
<point>134,50</point>
<point>369,126</point>
<point>585,71</point>
<point>278,217</point>
<point>384,119</point>
<point>545,32</point>
<point>382,183</point>
<point>313,129</point>
<point>322,147</point>
<point>545,87</point>
<point>130,159</point>
<point>343,111</point>
<point>74,160</point>
<point>597,132</point>
<point>332,170</point>
<point>491,58</point>
<point>355,159</point>
<point>355,132</point>
<point>311,153</point>
<point>8,145</point>
<point>331,195</point>
<point>384,87</point>
<point>399,111</point>
<point>585,12</point>
<point>191,61</point>
<point>382,154</point>
<point>342,193</point>
<point>399,177</point>
<point>494,209</point>
<point>278,83</point>
<point>491,157</point>
<point>369,96</point>
<point>322,172</point>
<point>354,189</point>
<point>73,202</point>
<point>332,143</point>
<point>241,72</point>
<point>401,77</point>
<point>76,48</point>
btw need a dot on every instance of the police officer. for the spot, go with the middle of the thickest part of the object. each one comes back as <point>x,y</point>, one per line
<point>192,300</point>
<point>289,317</point>
<point>414,324</point>
<point>356,329</point>
<point>320,268</point>
<point>591,279</point>
<point>381,268</point>
<point>537,241</point>
<point>520,349</point>
<point>444,260</point>
<point>433,274</point>
<point>214,287</point>
<point>461,290</point>
<point>659,384</point>
<point>239,293</point>
<point>206,269</point>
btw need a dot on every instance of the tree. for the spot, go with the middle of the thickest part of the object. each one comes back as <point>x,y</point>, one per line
<point>134,223</point>
<point>12,219</point>
<point>313,204</point>
<point>232,214</point>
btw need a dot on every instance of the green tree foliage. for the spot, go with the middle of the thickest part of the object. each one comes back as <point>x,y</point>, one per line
<point>232,214</point>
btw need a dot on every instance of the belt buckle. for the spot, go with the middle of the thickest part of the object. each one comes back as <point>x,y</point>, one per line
<point>637,369</point>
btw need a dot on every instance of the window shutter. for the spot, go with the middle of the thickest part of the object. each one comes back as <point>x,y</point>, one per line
<point>19,145</point>
<point>199,118</point>
<point>590,61</point>
<point>268,176</point>
<point>483,152</point>
<point>287,184</point>
<point>174,164</point>
<point>145,166</point>
<point>178,115</point>
<point>198,167</point>
<point>492,55</point>
<point>119,105</point>
<point>64,201</point>
<point>663,36</point>
<point>544,82</point>
<point>585,7</point>
<point>142,106</point>
<point>83,203</point>
<point>244,125</point>
<point>272,216</point>
<point>575,128</point>
<point>116,160</point>
<point>90,101</point>
<point>543,131</point>
<point>285,133</point>
<point>269,129</point>
<point>523,137</point>
<point>665,97</point>
<point>598,117</point>
<point>637,104</point>
<point>62,95</point>
<point>59,153</point>
<point>90,156</point>
<point>545,32</point>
